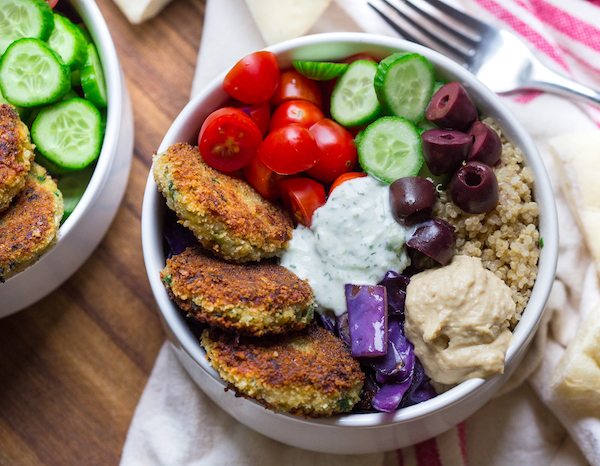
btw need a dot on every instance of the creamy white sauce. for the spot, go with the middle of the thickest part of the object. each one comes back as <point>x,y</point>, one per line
<point>353,239</point>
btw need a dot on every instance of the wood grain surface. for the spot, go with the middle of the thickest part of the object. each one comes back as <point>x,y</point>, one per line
<point>73,366</point>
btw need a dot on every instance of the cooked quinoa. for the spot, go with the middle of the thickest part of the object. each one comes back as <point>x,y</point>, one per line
<point>507,238</point>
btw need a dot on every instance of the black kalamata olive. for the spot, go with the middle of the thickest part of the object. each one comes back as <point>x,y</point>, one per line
<point>487,146</point>
<point>412,199</point>
<point>434,239</point>
<point>474,188</point>
<point>451,107</point>
<point>445,150</point>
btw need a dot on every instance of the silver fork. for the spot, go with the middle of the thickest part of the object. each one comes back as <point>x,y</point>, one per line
<point>497,57</point>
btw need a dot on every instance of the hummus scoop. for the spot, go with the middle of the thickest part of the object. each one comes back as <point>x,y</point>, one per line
<point>458,319</point>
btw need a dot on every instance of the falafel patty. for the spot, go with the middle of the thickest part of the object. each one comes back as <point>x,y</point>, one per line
<point>226,215</point>
<point>30,225</point>
<point>252,299</point>
<point>309,374</point>
<point>16,154</point>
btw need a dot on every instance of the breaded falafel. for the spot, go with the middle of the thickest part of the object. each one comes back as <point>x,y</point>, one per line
<point>251,299</point>
<point>16,154</point>
<point>308,374</point>
<point>30,225</point>
<point>226,215</point>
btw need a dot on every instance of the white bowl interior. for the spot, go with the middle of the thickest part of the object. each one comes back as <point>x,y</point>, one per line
<point>336,46</point>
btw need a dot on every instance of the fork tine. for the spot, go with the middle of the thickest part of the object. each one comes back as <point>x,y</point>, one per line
<point>464,55</point>
<point>450,30</point>
<point>403,32</point>
<point>479,26</point>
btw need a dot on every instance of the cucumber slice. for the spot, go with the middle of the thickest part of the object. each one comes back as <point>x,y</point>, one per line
<point>353,101</point>
<point>320,70</point>
<point>404,84</point>
<point>92,79</point>
<point>68,41</point>
<point>24,18</point>
<point>23,112</point>
<point>390,148</point>
<point>72,187</point>
<point>68,134</point>
<point>32,74</point>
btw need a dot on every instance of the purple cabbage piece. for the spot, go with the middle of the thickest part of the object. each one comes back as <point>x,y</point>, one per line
<point>398,364</point>
<point>395,284</point>
<point>367,319</point>
<point>389,396</point>
<point>327,321</point>
<point>343,329</point>
<point>177,237</point>
<point>420,389</point>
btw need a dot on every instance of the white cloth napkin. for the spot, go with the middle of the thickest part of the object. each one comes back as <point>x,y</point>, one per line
<point>176,424</point>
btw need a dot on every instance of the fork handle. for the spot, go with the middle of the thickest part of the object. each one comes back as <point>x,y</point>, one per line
<point>543,78</point>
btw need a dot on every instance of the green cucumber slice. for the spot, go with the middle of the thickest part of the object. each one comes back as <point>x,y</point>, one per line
<point>72,187</point>
<point>23,112</point>
<point>404,84</point>
<point>92,79</point>
<point>353,101</point>
<point>320,70</point>
<point>68,134</point>
<point>390,148</point>
<point>32,74</point>
<point>68,41</point>
<point>24,18</point>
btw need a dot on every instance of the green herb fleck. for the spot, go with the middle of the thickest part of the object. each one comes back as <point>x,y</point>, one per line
<point>541,242</point>
<point>41,178</point>
<point>167,279</point>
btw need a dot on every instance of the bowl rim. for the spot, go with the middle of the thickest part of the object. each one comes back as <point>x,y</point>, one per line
<point>94,21</point>
<point>153,253</point>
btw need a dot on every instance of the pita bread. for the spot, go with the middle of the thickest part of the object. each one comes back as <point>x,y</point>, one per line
<point>280,20</point>
<point>579,156</point>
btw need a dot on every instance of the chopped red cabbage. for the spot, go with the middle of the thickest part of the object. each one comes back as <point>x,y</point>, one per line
<point>389,396</point>
<point>367,319</point>
<point>343,329</point>
<point>177,237</point>
<point>326,320</point>
<point>397,365</point>
<point>395,284</point>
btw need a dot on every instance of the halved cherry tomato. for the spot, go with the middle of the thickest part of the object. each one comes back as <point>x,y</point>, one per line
<point>302,196</point>
<point>345,177</point>
<point>337,152</point>
<point>52,3</point>
<point>288,150</point>
<point>260,114</point>
<point>292,85</point>
<point>300,112</point>
<point>254,78</point>
<point>264,180</point>
<point>228,139</point>
<point>359,56</point>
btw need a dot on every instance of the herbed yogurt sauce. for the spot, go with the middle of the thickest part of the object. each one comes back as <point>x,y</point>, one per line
<point>353,239</point>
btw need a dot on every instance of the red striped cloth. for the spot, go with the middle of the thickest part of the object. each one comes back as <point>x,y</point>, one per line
<point>567,35</point>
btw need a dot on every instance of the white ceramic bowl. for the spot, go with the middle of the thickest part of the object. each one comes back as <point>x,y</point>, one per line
<point>351,433</point>
<point>85,227</point>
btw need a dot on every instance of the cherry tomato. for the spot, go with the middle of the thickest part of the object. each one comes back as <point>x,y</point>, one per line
<point>254,78</point>
<point>300,112</point>
<point>52,3</point>
<point>302,196</point>
<point>337,152</point>
<point>359,56</point>
<point>292,85</point>
<point>260,114</point>
<point>228,139</point>
<point>264,180</point>
<point>345,177</point>
<point>288,150</point>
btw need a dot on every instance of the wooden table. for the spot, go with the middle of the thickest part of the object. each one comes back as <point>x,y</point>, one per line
<point>73,366</point>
